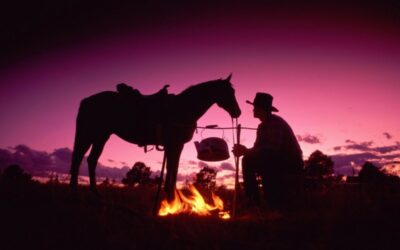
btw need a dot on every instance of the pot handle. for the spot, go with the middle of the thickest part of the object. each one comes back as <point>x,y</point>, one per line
<point>212,126</point>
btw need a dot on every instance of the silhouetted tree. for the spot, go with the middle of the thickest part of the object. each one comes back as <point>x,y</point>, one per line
<point>377,181</point>
<point>14,173</point>
<point>318,165</point>
<point>371,174</point>
<point>206,178</point>
<point>138,175</point>
<point>106,183</point>
<point>53,179</point>
<point>222,189</point>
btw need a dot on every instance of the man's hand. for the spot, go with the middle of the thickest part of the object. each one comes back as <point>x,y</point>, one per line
<point>239,150</point>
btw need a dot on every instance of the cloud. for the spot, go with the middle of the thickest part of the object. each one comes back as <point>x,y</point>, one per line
<point>191,162</point>
<point>202,164</point>
<point>337,148</point>
<point>228,176</point>
<point>63,154</point>
<point>355,154</point>
<point>226,166</point>
<point>387,135</point>
<point>5,157</point>
<point>186,177</point>
<point>156,173</point>
<point>342,160</point>
<point>198,165</point>
<point>387,149</point>
<point>392,169</point>
<point>37,158</point>
<point>228,179</point>
<point>42,164</point>
<point>368,147</point>
<point>225,171</point>
<point>362,146</point>
<point>32,161</point>
<point>307,138</point>
<point>344,163</point>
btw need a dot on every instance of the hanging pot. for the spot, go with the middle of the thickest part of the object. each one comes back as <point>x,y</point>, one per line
<point>212,149</point>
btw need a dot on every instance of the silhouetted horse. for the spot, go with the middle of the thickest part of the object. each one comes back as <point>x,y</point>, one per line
<point>167,120</point>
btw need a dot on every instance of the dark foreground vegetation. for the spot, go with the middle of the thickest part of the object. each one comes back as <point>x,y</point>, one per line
<point>48,216</point>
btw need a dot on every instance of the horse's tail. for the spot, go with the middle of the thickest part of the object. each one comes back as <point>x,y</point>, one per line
<point>82,124</point>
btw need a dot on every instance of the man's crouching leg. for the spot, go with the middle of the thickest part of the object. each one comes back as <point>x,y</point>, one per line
<point>250,181</point>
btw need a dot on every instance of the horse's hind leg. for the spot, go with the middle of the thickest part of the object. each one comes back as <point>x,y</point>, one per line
<point>94,155</point>
<point>80,148</point>
<point>173,155</point>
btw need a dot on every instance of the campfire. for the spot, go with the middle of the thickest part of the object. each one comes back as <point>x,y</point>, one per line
<point>193,204</point>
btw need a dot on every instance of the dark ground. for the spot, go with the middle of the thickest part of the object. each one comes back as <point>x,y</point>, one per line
<point>38,216</point>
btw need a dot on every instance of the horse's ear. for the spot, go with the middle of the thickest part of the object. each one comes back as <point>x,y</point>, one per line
<point>228,79</point>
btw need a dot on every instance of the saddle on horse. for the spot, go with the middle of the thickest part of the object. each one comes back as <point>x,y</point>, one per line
<point>153,107</point>
<point>129,92</point>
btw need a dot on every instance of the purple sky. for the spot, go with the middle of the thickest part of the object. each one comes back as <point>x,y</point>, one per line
<point>332,68</point>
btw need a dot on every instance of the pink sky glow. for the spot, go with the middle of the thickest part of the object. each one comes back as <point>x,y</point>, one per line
<point>337,82</point>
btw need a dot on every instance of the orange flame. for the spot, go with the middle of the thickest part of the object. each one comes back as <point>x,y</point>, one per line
<point>193,204</point>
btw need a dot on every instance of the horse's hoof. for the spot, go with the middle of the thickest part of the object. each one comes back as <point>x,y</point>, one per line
<point>73,189</point>
<point>98,195</point>
<point>73,184</point>
<point>73,195</point>
<point>95,199</point>
<point>95,192</point>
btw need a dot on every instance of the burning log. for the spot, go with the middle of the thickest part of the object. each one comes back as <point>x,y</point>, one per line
<point>193,204</point>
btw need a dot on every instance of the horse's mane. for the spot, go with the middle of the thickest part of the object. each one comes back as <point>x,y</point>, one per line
<point>212,85</point>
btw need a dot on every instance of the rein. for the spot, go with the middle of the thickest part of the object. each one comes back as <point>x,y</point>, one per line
<point>236,188</point>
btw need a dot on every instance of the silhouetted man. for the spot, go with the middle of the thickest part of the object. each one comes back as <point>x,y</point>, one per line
<point>276,157</point>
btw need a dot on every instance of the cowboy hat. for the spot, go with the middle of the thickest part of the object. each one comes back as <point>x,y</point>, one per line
<point>264,101</point>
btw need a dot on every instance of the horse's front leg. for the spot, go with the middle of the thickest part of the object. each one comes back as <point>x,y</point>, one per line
<point>173,155</point>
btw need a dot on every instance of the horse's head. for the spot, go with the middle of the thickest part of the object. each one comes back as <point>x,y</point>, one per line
<point>226,98</point>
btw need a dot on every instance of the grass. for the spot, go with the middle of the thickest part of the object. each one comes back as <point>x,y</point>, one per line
<point>42,216</point>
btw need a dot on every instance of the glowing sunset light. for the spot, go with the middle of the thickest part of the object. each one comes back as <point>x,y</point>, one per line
<point>333,70</point>
<point>393,168</point>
